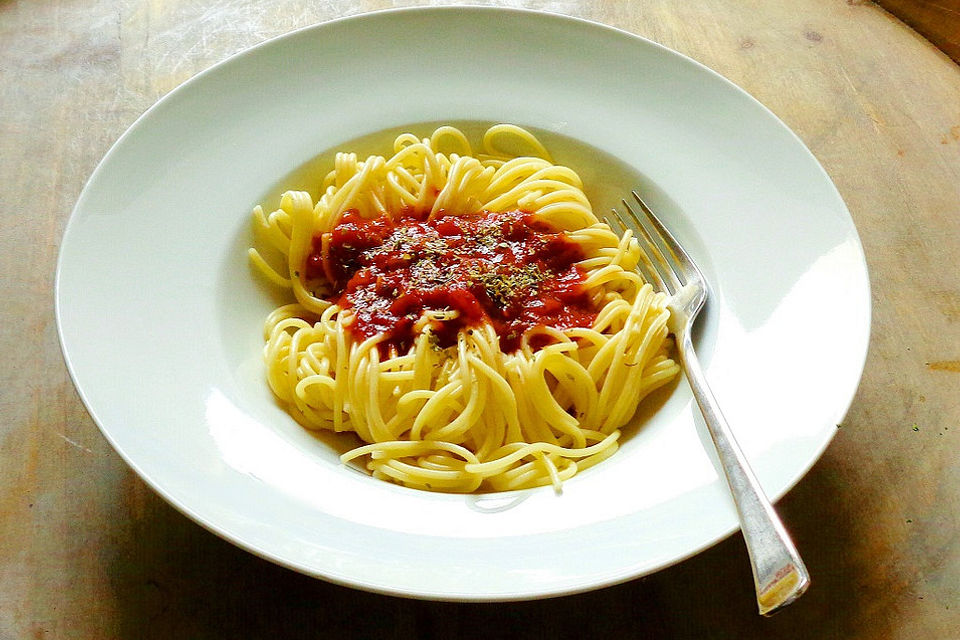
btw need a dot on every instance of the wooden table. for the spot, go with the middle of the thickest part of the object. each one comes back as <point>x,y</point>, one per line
<point>88,551</point>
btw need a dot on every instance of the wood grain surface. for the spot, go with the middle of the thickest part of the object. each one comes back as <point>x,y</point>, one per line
<point>936,20</point>
<point>88,551</point>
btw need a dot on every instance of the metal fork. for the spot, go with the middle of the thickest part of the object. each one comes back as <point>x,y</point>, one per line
<point>778,572</point>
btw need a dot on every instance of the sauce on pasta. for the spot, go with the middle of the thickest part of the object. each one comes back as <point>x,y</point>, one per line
<point>505,268</point>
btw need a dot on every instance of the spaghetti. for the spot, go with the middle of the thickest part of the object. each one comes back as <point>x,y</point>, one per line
<point>467,317</point>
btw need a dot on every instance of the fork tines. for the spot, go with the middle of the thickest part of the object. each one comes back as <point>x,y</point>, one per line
<point>663,262</point>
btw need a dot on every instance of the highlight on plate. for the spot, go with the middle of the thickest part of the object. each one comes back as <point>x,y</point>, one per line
<point>464,313</point>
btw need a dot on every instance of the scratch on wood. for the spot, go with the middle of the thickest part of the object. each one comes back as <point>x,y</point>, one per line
<point>75,444</point>
<point>948,302</point>
<point>945,365</point>
<point>941,7</point>
<point>867,108</point>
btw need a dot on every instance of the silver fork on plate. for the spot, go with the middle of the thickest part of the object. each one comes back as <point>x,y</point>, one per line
<point>778,572</point>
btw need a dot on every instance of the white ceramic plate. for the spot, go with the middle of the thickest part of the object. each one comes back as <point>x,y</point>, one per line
<point>160,317</point>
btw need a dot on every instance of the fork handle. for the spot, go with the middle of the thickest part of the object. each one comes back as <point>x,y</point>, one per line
<point>778,572</point>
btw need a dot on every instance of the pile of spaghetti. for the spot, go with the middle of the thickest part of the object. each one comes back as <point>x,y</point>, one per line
<point>466,316</point>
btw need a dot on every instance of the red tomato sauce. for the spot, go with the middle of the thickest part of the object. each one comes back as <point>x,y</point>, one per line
<point>507,269</point>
